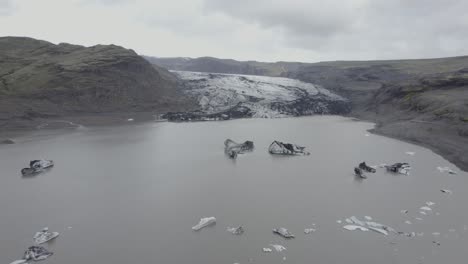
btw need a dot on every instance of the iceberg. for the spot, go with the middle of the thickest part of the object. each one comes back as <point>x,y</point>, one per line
<point>236,230</point>
<point>283,232</point>
<point>365,167</point>
<point>37,166</point>
<point>37,253</point>
<point>402,168</point>
<point>278,248</point>
<point>44,236</point>
<point>204,222</point>
<point>281,148</point>
<point>359,173</point>
<point>231,148</point>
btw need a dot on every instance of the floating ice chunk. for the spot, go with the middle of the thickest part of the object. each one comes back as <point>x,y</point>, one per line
<point>130,119</point>
<point>425,208</point>
<point>411,234</point>
<point>44,236</point>
<point>20,261</point>
<point>347,220</point>
<point>402,168</point>
<point>283,232</point>
<point>408,222</point>
<point>232,148</point>
<point>236,230</point>
<point>267,250</point>
<point>446,191</point>
<point>204,222</point>
<point>356,221</point>
<point>367,134</point>
<point>368,218</point>
<point>355,227</point>
<point>278,248</point>
<point>436,234</point>
<point>339,221</point>
<point>378,230</point>
<point>309,230</point>
<point>281,148</point>
<point>446,169</point>
<point>37,166</point>
<point>37,253</point>
<point>359,173</point>
<point>430,203</point>
<point>423,213</point>
<point>411,153</point>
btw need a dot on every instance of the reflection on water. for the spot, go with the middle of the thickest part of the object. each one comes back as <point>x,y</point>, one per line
<point>133,193</point>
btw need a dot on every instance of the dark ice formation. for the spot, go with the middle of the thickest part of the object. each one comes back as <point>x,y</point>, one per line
<point>283,232</point>
<point>358,172</point>
<point>37,253</point>
<point>402,168</point>
<point>232,148</point>
<point>365,167</point>
<point>37,166</point>
<point>281,148</point>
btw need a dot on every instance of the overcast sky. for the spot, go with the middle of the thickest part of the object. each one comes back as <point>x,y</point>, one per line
<point>264,30</point>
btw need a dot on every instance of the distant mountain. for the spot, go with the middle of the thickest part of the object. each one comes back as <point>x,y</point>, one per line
<point>40,79</point>
<point>214,65</point>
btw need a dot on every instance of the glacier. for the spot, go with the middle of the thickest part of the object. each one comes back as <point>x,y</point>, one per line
<point>229,96</point>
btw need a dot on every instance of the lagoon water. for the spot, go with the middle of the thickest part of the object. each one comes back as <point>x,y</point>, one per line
<point>130,194</point>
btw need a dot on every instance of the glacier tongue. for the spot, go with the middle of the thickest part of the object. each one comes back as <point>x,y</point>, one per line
<point>227,96</point>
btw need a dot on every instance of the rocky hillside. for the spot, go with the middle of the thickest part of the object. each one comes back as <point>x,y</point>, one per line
<point>40,79</point>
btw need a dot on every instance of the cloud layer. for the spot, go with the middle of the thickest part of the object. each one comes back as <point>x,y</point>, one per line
<point>291,30</point>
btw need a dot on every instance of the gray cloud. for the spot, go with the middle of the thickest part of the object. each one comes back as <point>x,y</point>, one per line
<point>6,7</point>
<point>355,28</point>
<point>266,30</point>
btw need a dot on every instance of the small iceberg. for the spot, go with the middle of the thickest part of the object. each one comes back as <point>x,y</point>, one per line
<point>446,191</point>
<point>402,168</point>
<point>446,169</point>
<point>280,148</point>
<point>309,230</point>
<point>365,167</point>
<point>37,253</point>
<point>283,232</point>
<point>44,236</point>
<point>20,261</point>
<point>278,248</point>
<point>355,227</point>
<point>232,148</point>
<point>267,250</point>
<point>204,222</point>
<point>37,166</point>
<point>359,173</point>
<point>236,230</point>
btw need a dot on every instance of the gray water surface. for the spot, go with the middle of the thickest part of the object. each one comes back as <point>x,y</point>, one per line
<point>131,194</point>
